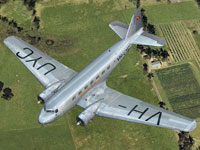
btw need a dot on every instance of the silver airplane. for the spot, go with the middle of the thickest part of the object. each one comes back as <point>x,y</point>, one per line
<point>66,88</point>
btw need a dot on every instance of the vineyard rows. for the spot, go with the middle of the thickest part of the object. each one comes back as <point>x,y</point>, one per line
<point>180,41</point>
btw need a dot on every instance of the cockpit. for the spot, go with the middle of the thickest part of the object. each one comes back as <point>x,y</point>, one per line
<point>47,115</point>
<point>50,110</point>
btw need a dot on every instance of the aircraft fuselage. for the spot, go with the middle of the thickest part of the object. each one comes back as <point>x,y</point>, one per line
<point>96,72</point>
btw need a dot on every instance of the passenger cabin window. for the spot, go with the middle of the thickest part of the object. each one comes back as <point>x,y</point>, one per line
<point>97,77</point>
<point>108,67</point>
<point>92,82</point>
<point>80,92</point>
<point>86,87</point>
<point>74,98</point>
<point>103,72</point>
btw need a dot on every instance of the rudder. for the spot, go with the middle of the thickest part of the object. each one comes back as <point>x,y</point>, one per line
<point>135,24</point>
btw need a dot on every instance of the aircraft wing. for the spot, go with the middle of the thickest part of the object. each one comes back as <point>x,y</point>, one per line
<point>44,68</point>
<point>149,39</point>
<point>119,106</point>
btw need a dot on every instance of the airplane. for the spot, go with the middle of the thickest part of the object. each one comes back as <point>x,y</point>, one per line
<point>66,88</point>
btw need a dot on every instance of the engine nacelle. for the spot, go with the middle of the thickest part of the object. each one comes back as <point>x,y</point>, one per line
<point>88,114</point>
<point>50,91</point>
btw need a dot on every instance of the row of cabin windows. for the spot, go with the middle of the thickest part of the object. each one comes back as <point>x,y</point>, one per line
<point>91,82</point>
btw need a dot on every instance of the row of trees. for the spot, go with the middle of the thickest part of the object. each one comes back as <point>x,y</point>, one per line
<point>186,142</point>
<point>157,53</point>
<point>11,23</point>
<point>147,26</point>
<point>36,22</point>
<point>30,4</point>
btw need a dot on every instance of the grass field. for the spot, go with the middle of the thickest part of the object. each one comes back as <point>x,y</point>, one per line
<point>183,90</point>
<point>165,13</point>
<point>89,35</point>
<point>180,41</point>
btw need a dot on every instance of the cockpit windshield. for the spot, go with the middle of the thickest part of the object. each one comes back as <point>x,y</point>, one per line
<point>50,110</point>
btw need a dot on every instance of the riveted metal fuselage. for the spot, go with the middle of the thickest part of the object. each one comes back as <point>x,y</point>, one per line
<point>96,72</point>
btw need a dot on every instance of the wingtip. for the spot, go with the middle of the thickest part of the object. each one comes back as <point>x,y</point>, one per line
<point>191,126</point>
<point>161,42</point>
<point>7,39</point>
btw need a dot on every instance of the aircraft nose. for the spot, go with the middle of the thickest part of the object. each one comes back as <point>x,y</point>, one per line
<point>45,117</point>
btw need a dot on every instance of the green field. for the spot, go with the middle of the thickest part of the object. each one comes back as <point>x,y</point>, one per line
<point>172,12</point>
<point>81,33</point>
<point>183,90</point>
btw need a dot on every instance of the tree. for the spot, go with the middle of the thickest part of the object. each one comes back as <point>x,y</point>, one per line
<point>34,12</point>
<point>30,3</point>
<point>164,53</point>
<point>148,51</point>
<point>19,29</point>
<point>144,21</point>
<point>162,104</point>
<point>195,32</point>
<point>151,28</point>
<point>1,86</point>
<point>186,142</point>
<point>7,94</point>
<point>150,75</point>
<point>145,66</point>
<point>198,2</point>
<point>198,148</point>
<point>138,4</point>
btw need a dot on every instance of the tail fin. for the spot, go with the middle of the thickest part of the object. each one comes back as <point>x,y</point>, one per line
<point>135,24</point>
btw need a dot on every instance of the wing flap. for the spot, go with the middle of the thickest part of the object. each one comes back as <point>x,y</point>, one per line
<point>43,67</point>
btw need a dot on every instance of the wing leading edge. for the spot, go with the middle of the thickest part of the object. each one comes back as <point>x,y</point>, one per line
<point>119,106</point>
<point>47,70</point>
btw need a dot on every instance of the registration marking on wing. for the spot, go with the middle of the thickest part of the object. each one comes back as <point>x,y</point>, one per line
<point>29,52</point>
<point>142,113</point>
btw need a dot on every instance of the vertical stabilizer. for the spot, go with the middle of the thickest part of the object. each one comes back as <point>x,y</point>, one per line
<point>136,23</point>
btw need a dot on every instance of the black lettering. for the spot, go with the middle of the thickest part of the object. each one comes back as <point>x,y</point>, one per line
<point>23,57</point>
<point>142,112</point>
<point>35,60</point>
<point>159,117</point>
<point>122,106</point>
<point>54,67</point>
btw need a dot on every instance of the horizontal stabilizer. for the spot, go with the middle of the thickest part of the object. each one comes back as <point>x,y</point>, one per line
<point>119,28</point>
<point>149,39</point>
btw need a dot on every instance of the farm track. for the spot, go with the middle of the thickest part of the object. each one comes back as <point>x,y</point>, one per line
<point>180,41</point>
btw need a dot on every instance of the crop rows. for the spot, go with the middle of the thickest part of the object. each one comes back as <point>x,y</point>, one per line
<point>180,41</point>
<point>182,89</point>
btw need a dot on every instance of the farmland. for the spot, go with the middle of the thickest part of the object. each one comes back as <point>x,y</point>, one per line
<point>183,90</point>
<point>180,41</point>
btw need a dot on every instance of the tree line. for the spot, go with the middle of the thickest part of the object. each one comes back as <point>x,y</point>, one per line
<point>147,26</point>
<point>30,4</point>
<point>12,23</point>
<point>150,52</point>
